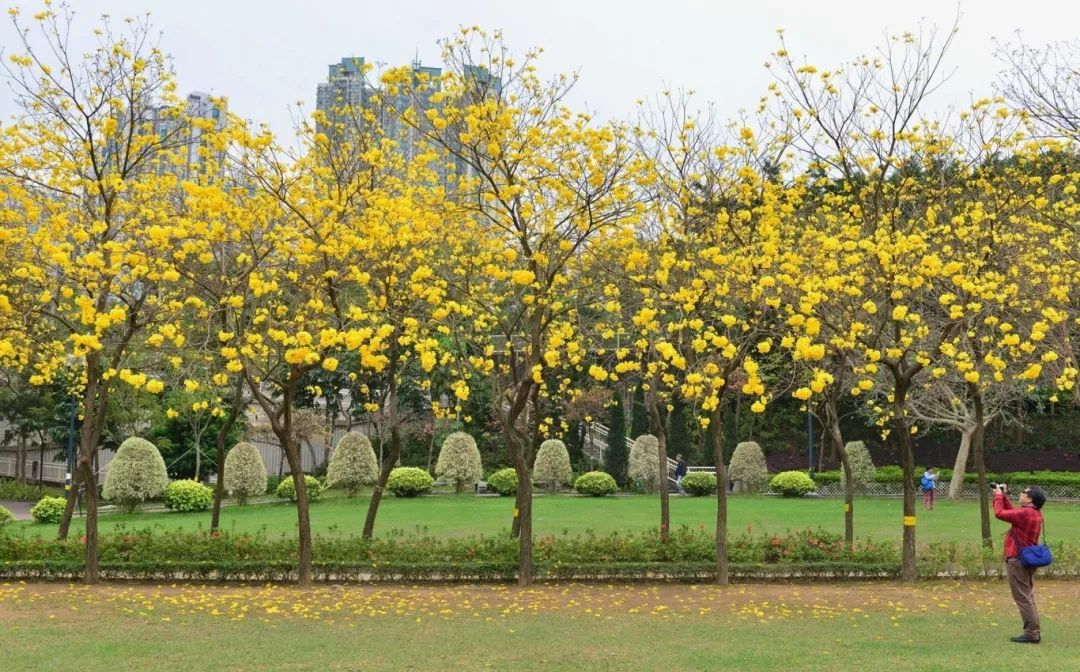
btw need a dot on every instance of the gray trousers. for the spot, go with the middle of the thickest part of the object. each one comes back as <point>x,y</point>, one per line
<point>1022,584</point>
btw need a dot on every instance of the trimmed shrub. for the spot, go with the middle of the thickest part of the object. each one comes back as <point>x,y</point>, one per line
<point>5,517</point>
<point>552,464</point>
<point>596,484</point>
<point>353,464</point>
<point>504,482</point>
<point>459,461</point>
<point>699,483</point>
<point>862,467</point>
<point>136,474</point>
<point>644,463</point>
<point>792,483</point>
<point>188,495</point>
<point>409,482</point>
<point>24,492</point>
<point>748,469</point>
<point>48,510</point>
<point>286,489</point>
<point>245,472</point>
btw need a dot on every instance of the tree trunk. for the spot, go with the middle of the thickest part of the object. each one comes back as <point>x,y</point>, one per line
<point>292,454</point>
<point>960,465</point>
<point>523,514</point>
<point>41,463</point>
<point>522,519</point>
<point>656,424</point>
<point>980,463</point>
<point>198,453</point>
<point>832,426</point>
<point>431,447</point>
<point>69,506</point>
<point>91,573</point>
<point>902,440</point>
<point>717,436</point>
<point>219,447</point>
<point>385,465</point>
<point>20,460</point>
<point>380,487</point>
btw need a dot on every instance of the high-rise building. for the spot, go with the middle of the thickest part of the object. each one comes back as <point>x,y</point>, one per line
<point>348,94</point>
<point>178,133</point>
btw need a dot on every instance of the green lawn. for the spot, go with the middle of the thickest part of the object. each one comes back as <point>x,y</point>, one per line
<point>449,515</point>
<point>866,626</point>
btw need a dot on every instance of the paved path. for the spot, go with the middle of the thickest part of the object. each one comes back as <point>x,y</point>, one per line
<point>20,509</point>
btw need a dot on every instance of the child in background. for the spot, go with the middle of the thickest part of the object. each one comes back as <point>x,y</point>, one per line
<point>929,484</point>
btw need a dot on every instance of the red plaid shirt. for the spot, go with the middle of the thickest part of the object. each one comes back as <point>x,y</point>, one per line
<point>1026,524</point>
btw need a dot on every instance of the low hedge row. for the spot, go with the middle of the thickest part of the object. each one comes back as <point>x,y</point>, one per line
<point>149,555</point>
<point>895,474</point>
<point>70,570</point>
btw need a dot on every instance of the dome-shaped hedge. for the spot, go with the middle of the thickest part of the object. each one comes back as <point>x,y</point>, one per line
<point>136,474</point>
<point>286,489</point>
<point>699,483</point>
<point>245,472</point>
<point>552,464</point>
<point>188,495</point>
<point>644,462</point>
<point>596,484</point>
<point>862,467</point>
<point>459,461</point>
<point>48,509</point>
<point>409,482</point>
<point>504,482</point>
<point>792,483</point>
<point>353,464</point>
<point>748,470</point>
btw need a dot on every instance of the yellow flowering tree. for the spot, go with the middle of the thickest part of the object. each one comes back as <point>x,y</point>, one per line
<point>541,185</point>
<point>93,160</point>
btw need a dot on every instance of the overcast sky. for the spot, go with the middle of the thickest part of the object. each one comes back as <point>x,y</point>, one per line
<point>265,55</point>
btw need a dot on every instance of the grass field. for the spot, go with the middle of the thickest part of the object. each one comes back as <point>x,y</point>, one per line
<point>865,626</point>
<point>448,515</point>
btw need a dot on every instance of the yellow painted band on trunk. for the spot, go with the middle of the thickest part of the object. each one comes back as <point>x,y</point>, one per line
<point>847,508</point>
<point>909,521</point>
<point>516,513</point>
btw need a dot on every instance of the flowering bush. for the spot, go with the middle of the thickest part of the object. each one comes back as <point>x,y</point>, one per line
<point>644,463</point>
<point>596,484</point>
<point>245,472</point>
<point>48,510</point>
<point>188,495</point>
<point>792,483</point>
<point>699,483</point>
<point>136,474</point>
<point>287,489</point>
<point>748,469</point>
<point>503,482</point>
<point>862,467</point>
<point>353,464</point>
<point>459,461</point>
<point>409,482</point>
<point>552,464</point>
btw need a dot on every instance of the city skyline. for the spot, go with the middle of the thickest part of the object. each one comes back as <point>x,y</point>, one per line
<point>266,61</point>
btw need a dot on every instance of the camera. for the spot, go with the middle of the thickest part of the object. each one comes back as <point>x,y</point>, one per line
<point>997,486</point>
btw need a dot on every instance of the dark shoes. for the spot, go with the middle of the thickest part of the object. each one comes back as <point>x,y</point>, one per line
<point>1024,639</point>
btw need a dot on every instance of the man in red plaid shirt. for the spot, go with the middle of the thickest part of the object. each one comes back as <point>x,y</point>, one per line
<point>1027,522</point>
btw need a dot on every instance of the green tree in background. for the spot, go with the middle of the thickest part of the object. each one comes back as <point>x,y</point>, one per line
<point>617,453</point>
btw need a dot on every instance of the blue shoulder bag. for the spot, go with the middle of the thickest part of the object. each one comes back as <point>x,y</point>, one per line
<point>1038,555</point>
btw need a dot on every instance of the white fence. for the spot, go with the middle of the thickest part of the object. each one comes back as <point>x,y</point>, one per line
<point>52,471</point>
<point>311,452</point>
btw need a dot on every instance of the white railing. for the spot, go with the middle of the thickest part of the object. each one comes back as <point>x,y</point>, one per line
<point>51,471</point>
